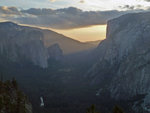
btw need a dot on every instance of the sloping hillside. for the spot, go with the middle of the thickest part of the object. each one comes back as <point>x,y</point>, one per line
<point>67,44</point>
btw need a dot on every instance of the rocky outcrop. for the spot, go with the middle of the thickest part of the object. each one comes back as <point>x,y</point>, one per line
<point>68,45</point>
<point>124,58</point>
<point>19,43</point>
<point>54,52</point>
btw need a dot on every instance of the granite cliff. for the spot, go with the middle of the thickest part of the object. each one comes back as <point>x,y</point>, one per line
<point>19,43</point>
<point>123,67</point>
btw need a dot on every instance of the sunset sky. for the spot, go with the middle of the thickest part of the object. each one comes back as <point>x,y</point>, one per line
<point>81,4</point>
<point>91,33</point>
<point>85,20</point>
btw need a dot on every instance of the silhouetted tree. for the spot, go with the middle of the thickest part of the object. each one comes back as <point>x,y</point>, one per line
<point>12,100</point>
<point>1,103</point>
<point>7,103</point>
<point>20,103</point>
<point>1,77</point>
<point>92,109</point>
<point>14,83</point>
<point>117,109</point>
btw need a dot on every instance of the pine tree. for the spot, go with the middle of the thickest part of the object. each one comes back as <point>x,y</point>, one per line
<point>14,83</point>
<point>1,77</point>
<point>92,109</point>
<point>117,109</point>
<point>1,104</point>
<point>7,103</point>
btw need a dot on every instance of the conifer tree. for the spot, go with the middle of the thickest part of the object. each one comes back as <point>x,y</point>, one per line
<point>92,109</point>
<point>1,78</point>
<point>117,109</point>
<point>1,103</point>
<point>14,83</point>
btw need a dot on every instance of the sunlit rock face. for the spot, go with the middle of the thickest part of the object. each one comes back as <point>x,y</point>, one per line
<point>133,75</point>
<point>132,41</point>
<point>124,58</point>
<point>19,43</point>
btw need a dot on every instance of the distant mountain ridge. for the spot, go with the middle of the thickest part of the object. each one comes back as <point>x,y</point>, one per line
<point>68,45</point>
<point>96,43</point>
<point>34,44</point>
<point>19,43</point>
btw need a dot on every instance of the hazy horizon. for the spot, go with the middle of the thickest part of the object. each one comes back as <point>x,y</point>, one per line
<point>82,20</point>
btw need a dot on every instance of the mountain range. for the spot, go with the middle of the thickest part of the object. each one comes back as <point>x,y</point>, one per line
<point>36,45</point>
<point>71,75</point>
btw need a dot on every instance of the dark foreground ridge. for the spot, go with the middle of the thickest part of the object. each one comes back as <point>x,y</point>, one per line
<point>12,100</point>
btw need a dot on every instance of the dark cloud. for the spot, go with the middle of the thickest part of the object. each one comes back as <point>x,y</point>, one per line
<point>66,18</point>
<point>127,7</point>
<point>34,11</point>
<point>131,7</point>
<point>147,0</point>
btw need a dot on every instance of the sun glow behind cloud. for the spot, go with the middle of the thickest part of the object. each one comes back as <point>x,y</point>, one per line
<point>91,33</point>
<point>82,4</point>
<point>73,22</point>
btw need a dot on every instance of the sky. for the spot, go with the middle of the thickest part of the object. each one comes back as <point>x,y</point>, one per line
<point>81,4</point>
<point>85,34</point>
<point>83,20</point>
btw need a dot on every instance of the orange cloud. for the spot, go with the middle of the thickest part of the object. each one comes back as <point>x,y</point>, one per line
<point>82,1</point>
<point>52,0</point>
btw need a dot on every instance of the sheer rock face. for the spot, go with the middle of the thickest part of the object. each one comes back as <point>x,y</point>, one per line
<point>132,41</point>
<point>124,58</point>
<point>17,41</point>
<point>23,43</point>
<point>55,52</point>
